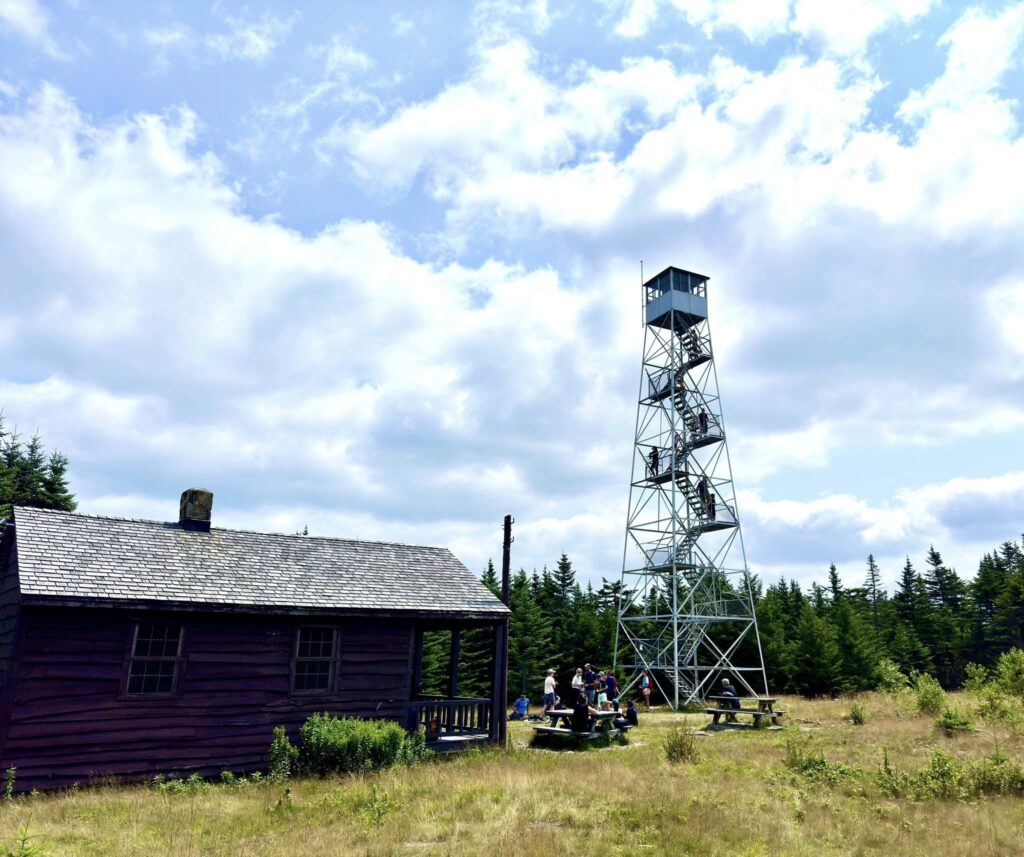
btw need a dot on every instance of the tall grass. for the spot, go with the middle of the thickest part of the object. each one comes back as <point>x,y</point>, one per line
<point>741,798</point>
<point>681,745</point>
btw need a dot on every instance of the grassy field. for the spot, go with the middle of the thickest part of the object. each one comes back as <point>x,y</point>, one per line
<point>740,799</point>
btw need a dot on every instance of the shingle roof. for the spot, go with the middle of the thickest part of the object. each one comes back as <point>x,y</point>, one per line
<point>64,556</point>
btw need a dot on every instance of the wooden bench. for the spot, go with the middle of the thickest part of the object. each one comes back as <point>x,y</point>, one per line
<point>582,736</point>
<point>603,727</point>
<point>765,708</point>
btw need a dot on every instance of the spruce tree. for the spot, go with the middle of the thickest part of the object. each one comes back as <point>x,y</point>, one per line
<point>857,658</point>
<point>834,584</point>
<point>874,590</point>
<point>478,648</point>
<point>28,478</point>
<point>1008,621</point>
<point>815,658</point>
<point>529,639</point>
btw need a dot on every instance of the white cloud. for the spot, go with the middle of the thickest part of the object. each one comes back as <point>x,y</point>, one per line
<point>172,339</point>
<point>1005,304</point>
<point>846,28</point>
<point>401,26</point>
<point>962,517</point>
<point>251,40</point>
<point>841,29</point>
<point>31,21</point>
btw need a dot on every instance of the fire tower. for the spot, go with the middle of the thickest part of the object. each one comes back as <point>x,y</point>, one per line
<point>686,610</point>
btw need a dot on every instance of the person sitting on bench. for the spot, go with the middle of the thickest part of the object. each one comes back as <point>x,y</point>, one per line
<point>728,690</point>
<point>583,715</point>
<point>627,717</point>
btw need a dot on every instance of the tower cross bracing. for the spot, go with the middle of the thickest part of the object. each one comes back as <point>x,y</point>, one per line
<point>686,607</point>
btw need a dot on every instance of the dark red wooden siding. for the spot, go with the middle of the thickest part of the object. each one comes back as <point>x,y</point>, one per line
<point>68,721</point>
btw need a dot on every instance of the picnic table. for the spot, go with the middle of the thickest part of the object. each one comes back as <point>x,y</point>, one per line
<point>724,705</point>
<point>603,725</point>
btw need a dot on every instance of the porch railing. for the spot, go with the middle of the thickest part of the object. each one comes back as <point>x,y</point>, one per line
<point>440,716</point>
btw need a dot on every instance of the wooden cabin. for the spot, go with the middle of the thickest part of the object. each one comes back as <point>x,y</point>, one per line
<point>130,648</point>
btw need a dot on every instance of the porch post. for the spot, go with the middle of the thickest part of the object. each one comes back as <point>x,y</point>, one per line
<point>453,674</point>
<point>499,683</point>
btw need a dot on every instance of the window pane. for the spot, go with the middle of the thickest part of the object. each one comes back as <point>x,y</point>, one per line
<point>313,675</point>
<point>155,640</point>
<point>151,677</point>
<point>316,643</point>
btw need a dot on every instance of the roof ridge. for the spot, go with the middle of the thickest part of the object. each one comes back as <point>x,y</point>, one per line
<point>175,524</point>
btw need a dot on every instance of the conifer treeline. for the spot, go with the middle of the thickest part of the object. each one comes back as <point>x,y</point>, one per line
<point>28,477</point>
<point>826,641</point>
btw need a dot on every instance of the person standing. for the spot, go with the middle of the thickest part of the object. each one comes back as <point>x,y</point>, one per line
<point>612,689</point>
<point>578,685</point>
<point>645,688</point>
<point>702,420</point>
<point>652,458</point>
<point>711,505</point>
<point>549,691</point>
<point>590,683</point>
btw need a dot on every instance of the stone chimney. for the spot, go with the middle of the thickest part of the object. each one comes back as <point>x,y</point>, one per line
<point>195,510</point>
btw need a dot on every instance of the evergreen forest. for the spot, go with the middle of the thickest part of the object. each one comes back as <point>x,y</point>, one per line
<point>834,638</point>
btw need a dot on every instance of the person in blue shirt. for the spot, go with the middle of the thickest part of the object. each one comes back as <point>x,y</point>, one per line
<point>590,683</point>
<point>628,716</point>
<point>520,708</point>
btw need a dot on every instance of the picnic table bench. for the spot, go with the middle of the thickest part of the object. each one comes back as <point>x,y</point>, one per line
<point>603,726</point>
<point>765,708</point>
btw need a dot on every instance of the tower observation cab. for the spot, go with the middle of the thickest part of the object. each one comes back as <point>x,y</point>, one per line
<point>686,609</point>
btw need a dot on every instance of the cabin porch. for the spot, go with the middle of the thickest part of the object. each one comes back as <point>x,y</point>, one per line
<point>451,719</point>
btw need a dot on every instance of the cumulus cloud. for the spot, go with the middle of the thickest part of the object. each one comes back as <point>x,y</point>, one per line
<point>962,517</point>
<point>173,335</point>
<point>363,380</point>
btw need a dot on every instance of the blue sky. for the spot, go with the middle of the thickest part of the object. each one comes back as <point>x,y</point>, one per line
<point>372,268</point>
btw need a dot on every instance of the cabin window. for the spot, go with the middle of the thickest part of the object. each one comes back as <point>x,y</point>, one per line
<point>156,653</point>
<point>315,658</point>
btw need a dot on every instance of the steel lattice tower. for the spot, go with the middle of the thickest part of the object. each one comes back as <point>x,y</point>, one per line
<point>686,610</point>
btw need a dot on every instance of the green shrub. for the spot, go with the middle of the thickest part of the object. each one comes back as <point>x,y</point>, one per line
<point>928,694</point>
<point>889,677</point>
<point>976,679</point>
<point>813,765</point>
<point>329,744</point>
<point>954,721</point>
<point>176,785</point>
<point>283,755</point>
<point>1009,672</point>
<point>9,777</point>
<point>947,778</point>
<point>857,714</point>
<point>681,745</point>
<point>377,806</point>
<point>24,846</point>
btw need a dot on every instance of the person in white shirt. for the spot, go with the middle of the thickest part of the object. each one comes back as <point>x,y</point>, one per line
<point>548,701</point>
<point>578,683</point>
